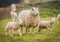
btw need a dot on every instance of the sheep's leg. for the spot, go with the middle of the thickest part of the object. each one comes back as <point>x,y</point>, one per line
<point>6,31</point>
<point>50,29</point>
<point>26,30</point>
<point>57,21</point>
<point>39,30</point>
<point>19,32</point>
<point>12,31</point>
<point>21,29</point>
<point>33,30</point>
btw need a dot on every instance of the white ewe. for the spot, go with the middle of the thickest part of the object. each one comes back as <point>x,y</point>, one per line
<point>29,17</point>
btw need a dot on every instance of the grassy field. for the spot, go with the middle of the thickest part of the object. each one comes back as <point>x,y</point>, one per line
<point>45,36</point>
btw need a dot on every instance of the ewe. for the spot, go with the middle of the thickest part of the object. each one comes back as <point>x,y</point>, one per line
<point>30,18</point>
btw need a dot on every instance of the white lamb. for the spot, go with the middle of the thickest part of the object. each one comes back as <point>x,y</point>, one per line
<point>13,26</point>
<point>46,24</point>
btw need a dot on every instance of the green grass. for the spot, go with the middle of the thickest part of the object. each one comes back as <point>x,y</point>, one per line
<point>48,10</point>
<point>45,36</point>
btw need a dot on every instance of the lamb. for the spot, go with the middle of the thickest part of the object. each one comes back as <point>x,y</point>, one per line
<point>46,24</point>
<point>13,26</point>
<point>30,18</point>
<point>58,18</point>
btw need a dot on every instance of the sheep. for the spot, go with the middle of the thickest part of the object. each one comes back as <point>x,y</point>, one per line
<point>13,12</point>
<point>46,24</point>
<point>13,16</point>
<point>30,18</point>
<point>13,26</point>
<point>58,18</point>
<point>13,7</point>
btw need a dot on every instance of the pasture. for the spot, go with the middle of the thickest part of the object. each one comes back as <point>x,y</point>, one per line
<point>45,36</point>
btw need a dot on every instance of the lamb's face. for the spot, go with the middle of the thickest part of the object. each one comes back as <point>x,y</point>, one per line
<point>35,11</point>
<point>19,21</point>
<point>52,20</point>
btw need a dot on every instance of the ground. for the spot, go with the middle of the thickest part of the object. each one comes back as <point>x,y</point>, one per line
<point>45,36</point>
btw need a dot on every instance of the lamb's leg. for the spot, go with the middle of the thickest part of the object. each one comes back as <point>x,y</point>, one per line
<point>33,30</point>
<point>49,28</point>
<point>6,31</point>
<point>21,29</point>
<point>57,21</point>
<point>19,32</point>
<point>40,29</point>
<point>26,30</point>
<point>12,31</point>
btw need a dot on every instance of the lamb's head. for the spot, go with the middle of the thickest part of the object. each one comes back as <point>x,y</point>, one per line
<point>19,22</point>
<point>35,11</point>
<point>52,20</point>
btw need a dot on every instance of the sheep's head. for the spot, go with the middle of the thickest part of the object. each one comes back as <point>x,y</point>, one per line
<point>19,21</point>
<point>13,7</point>
<point>52,20</point>
<point>35,11</point>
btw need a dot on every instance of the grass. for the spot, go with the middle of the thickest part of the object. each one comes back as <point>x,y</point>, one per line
<point>45,36</point>
<point>48,10</point>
